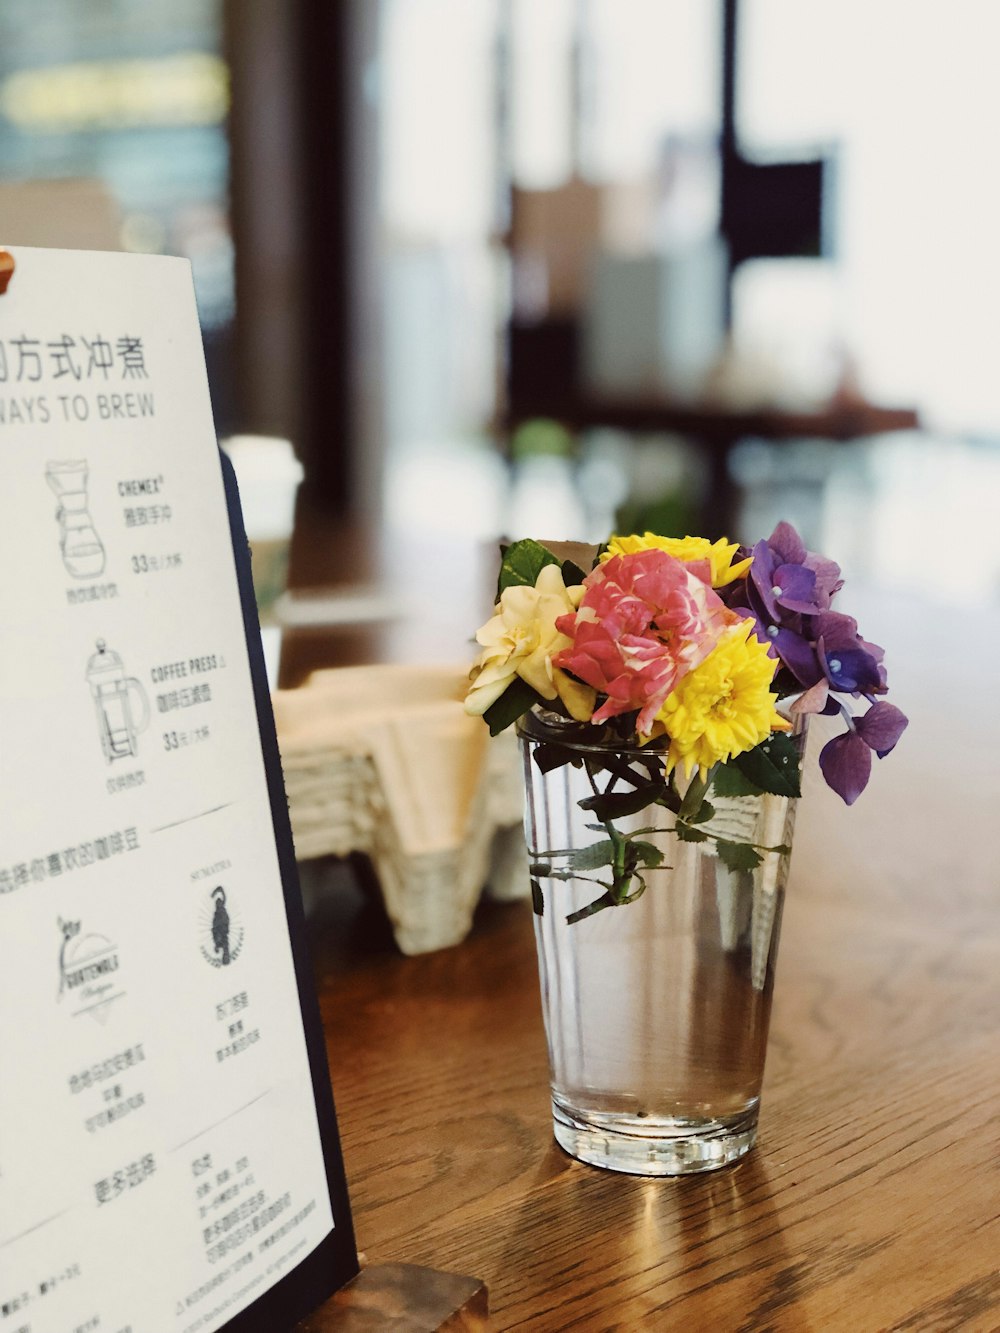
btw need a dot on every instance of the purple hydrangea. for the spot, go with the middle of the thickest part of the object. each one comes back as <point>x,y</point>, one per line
<point>788,593</point>
<point>846,761</point>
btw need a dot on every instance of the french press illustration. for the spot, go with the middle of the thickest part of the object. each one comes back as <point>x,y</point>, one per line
<point>120,702</point>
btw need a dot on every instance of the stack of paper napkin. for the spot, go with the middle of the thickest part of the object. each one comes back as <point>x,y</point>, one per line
<point>383,760</point>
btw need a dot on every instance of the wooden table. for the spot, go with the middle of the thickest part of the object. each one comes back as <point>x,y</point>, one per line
<point>872,1200</point>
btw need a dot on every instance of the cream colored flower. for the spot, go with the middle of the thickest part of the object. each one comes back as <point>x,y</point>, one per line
<point>521,640</point>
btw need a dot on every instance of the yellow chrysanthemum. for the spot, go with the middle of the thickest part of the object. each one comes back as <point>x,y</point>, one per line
<point>724,706</point>
<point>719,554</point>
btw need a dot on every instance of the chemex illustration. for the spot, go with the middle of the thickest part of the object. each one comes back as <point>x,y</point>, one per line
<point>222,931</point>
<point>82,550</point>
<point>120,703</point>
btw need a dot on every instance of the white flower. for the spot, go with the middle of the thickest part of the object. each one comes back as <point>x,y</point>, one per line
<point>522,639</point>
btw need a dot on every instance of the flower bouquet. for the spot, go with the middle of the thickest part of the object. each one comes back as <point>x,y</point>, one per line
<point>661,698</point>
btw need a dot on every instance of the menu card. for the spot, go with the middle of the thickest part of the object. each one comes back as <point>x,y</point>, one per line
<point>168,1150</point>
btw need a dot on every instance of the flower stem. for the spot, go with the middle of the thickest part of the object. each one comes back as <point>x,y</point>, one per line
<point>621,869</point>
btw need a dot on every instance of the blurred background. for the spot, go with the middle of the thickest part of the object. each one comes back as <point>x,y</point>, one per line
<point>552,267</point>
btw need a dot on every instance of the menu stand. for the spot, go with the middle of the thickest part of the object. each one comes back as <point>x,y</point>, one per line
<point>233,1193</point>
<point>403,1298</point>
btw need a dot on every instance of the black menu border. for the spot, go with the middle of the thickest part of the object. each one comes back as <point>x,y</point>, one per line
<point>334,1261</point>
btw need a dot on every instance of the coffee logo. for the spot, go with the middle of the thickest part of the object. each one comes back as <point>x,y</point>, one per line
<point>88,965</point>
<point>222,930</point>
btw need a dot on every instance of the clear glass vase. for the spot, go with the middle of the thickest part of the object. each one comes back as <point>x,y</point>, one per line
<point>656,1010</point>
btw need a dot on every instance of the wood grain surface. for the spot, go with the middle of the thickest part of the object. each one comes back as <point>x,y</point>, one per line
<point>872,1201</point>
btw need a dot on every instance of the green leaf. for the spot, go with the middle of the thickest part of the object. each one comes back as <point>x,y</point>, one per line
<point>521,563</point>
<point>773,766</point>
<point>515,701</point>
<point>548,757</point>
<point>618,804</point>
<point>703,814</point>
<point>596,854</point>
<point>572,573</point>
<point>688,834</point>
<point>646,853</point>
<point>737,855</point>
<point>537,900</point>
<point>729,781</point>
<point>623,771</point>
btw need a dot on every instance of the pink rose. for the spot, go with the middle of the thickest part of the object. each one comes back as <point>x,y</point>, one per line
<point>645,620</point>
